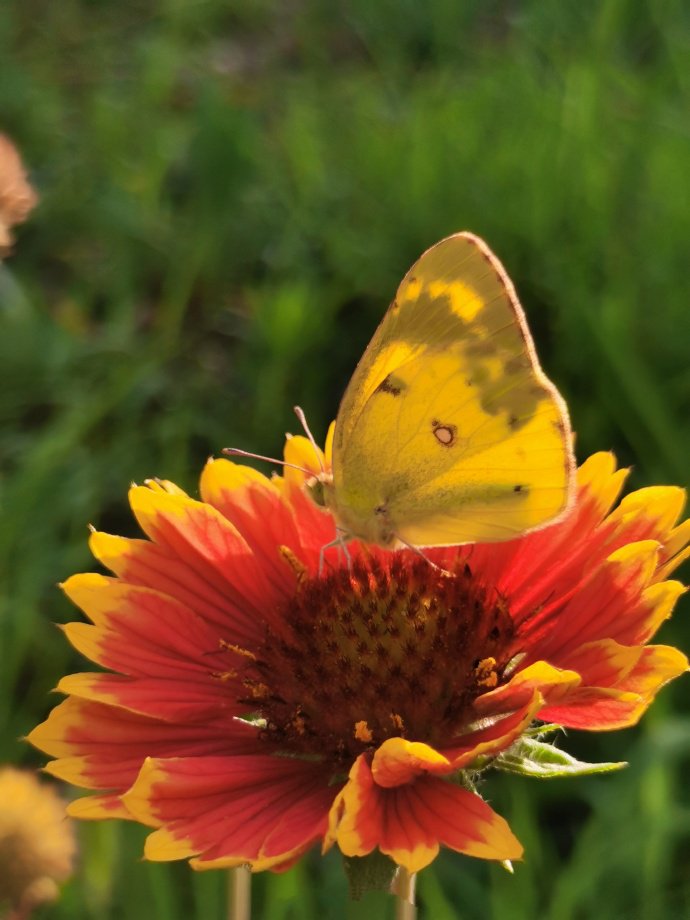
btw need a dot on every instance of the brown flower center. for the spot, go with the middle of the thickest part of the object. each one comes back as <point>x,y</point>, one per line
<point>388,646</point>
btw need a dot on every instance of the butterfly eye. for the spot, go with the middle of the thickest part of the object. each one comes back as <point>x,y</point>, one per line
<point>444,434</point>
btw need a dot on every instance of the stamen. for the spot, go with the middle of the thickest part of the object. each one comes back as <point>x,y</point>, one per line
<point>229,647</point>
<point>223,676</point>
<point>398,723</point>
<point>363,732</point>
<point>485,672</point>
<point>297,566</point>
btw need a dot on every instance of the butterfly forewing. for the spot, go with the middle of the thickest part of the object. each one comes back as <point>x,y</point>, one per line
<point>449,431</point>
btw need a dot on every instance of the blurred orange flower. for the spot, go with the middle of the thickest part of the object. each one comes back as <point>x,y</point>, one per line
<point>259,702</point>
<point>37,843</point>
<point>17,197</point>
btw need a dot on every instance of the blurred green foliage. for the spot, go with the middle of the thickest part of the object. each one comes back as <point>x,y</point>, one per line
<point>230,193</point>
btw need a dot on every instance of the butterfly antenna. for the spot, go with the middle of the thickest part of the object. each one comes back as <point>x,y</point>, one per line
<point>303,422</point>
<point>238,452</point>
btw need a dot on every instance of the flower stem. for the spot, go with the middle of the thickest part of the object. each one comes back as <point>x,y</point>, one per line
<point>240,894</point>
<point>403,888</point>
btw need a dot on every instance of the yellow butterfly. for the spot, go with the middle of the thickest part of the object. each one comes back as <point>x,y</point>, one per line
<point>449,431</point>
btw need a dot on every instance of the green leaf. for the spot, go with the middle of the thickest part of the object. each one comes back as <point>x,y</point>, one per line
<point>530,757</point>
<point>369,873</point>
<point>540,731</point>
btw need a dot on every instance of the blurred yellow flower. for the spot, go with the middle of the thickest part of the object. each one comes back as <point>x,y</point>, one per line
<point>37,842</point>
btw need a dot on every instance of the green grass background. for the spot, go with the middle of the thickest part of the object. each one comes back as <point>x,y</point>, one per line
<point>231,190</point>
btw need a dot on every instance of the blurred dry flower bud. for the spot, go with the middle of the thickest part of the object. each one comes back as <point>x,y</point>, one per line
<point>17,197</point>
<point>37,842</point>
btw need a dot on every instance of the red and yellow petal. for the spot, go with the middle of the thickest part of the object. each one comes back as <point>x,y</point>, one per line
<point>654,605</point>
<point>621,703</point>
<point>409,823</point>
<point>139,631</point>
<point>316,528</point>
<point>547,562</point>
<point>256,507</point>
<point>103,747</point>
<point>98,808</point>
<point>600,608</point>
<point>622,601</point>
<point>168,699</point>
<point>300,452</point>
<point>550,682</point>
<point>139,562</point>
<point>494,736</point>
<point>398,761</point>
<point>211,545</point>
<point>674,550</point>
<point>561,562</point>
<point>600,483</point>
<point>648,514</point>
<point>228,811</point>
<point>604,663</point>
<point>306,459</point>
<point>328,445</point>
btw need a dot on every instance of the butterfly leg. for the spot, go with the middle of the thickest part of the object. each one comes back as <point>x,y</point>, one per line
<point>341,542</point>
<point>418,551</point>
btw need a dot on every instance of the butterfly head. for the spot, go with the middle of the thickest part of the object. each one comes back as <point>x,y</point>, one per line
<point>353,522</point>
<point>317,488</point>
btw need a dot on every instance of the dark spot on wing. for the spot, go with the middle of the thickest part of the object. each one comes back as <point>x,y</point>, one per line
<point>518,363</point>
<point>513,422</point>
<point>520,488</point>
<point>476,347</point>
<point>390,384</point>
